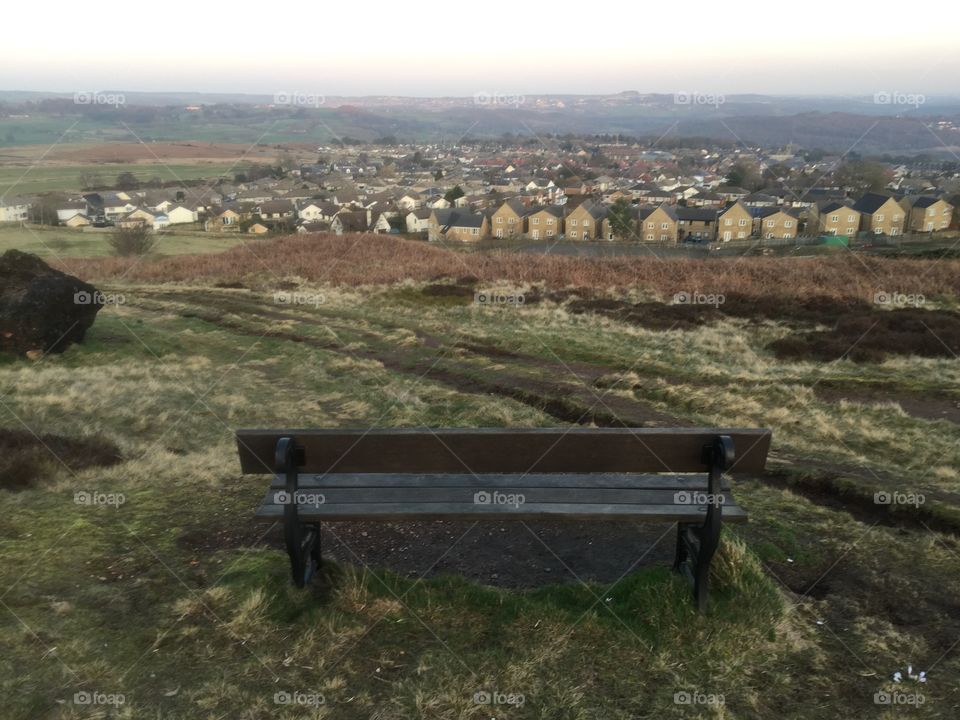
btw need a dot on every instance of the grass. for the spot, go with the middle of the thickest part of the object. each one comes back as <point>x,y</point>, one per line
<point>177,601</point>
<point>64,244</point>
<point>28,179</point>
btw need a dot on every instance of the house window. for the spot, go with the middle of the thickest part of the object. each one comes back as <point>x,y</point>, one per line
<point>728,221</point>
<point>573,223</point>
<point>474,231</point>
<point>834,218</point>
<point>549,221</point>
<point>742,222</point>
<point>511,221</point>
<point>586,223</point>
<point>536,221</point>
<point>664,238</point>
<point>664,226</point>
<point>499,221</point>
<point>549,232</point>
<point>740,235</point>
<point>649,237</point>
<point>573,233</point>
<point>788,224</point>
<point>896,218</point>
<point>878,218</point>
<point>850,231</point>
<point>770,223</point>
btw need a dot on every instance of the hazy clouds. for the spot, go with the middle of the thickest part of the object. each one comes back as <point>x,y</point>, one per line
<point>460,49</point>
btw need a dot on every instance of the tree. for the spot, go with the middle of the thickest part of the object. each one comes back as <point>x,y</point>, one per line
<point>127,181</point>
<point>746,176</point>
<point>89,181</point>
<point>861,175</point>
<point>621,219</point>
<point>453,194</point>
<point>438,175</point>
<point>288,162</point>
<point>131,240</point>
<point>44,212</point>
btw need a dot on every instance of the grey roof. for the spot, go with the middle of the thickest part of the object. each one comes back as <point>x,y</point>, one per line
<point>833,205</point>
<point>697,214</point>
<point>457,217</point>
<point>924,201</point>
<point>870,203</point>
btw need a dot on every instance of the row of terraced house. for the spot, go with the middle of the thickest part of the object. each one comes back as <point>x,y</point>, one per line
<point>873,213</point>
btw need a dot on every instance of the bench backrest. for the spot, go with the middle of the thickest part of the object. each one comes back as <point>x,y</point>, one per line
<point>537,450</point>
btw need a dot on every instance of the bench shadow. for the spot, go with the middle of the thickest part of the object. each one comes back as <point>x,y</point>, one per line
<point>507,554</point>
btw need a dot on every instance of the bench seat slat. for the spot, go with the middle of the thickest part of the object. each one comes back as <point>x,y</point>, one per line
<point>531,480</point>
<point>471,511</point>
<point>579,496</point>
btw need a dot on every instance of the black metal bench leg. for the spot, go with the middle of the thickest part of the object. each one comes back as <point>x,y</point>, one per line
<point>680,556</point>
<point>718,456</point>
<point>303,541</point>
<point>709,542</point>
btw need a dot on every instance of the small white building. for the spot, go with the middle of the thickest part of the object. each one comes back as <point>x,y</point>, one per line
<point>14,210</point>
<point>179,214</point>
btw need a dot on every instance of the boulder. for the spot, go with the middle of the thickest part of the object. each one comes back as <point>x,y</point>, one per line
<point>41,309</point>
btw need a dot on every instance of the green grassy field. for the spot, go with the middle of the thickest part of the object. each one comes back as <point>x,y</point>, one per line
<point>30,180</point>
<point>53,243</point>
<point>177,601</point>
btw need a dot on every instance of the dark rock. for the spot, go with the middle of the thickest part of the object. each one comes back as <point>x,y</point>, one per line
<point>41,309</point>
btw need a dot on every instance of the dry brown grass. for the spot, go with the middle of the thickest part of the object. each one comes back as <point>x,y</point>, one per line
<point>355,260</point>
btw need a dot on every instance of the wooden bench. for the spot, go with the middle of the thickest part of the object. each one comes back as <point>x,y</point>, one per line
<point>638,474</point>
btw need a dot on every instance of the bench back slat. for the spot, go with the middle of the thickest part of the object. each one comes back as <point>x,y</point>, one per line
<point>478,451</point>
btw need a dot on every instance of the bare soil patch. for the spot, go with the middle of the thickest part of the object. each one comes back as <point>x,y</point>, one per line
<point>503,554</point>
<point>919,405</point>
<point>25,457</point>
<point>872,336</point>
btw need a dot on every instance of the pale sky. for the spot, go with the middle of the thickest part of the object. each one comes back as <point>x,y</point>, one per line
<point>428,49</point>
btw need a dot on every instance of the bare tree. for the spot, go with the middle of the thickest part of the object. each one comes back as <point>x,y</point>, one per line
<point>131,240</point>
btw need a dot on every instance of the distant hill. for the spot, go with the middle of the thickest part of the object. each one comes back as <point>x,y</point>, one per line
<point>836,124</point>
